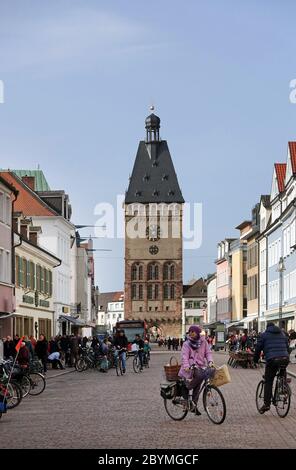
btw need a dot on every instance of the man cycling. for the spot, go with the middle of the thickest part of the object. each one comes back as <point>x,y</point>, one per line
<point>140,343</point>
<point>274,345</point>
<point>121,343</point>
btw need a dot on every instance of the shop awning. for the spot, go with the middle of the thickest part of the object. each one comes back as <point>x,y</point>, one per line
<point>73,320</point>
<point>236,323</point>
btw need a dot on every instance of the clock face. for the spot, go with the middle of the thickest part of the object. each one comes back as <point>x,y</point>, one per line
<point>153,250</point>
<point>153,232</point>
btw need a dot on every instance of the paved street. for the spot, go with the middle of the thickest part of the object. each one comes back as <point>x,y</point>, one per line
<point>93,410</point>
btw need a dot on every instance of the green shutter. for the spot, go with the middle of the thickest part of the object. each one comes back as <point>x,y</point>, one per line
<point>50,283</point>
<point>41,279</point>
<point>32,270</point>
<point>28,268</point>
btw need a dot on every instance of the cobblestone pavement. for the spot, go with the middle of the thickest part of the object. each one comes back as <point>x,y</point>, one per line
<point>94,410</point>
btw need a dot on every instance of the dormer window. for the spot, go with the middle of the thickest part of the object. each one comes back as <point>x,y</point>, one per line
<point>155,163</point>
<point>155,193</point>
<point>165,177</point>
<point>171,192</point>
<point>146,177</point>
<point>138,193</point>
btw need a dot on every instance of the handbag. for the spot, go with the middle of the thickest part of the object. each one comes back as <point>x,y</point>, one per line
<point>221,377</point>
<point>172,370</point>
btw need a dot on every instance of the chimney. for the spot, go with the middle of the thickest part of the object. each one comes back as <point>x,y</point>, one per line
<point>33,238</point>
<point>24,231</point>
<point>29,181</point>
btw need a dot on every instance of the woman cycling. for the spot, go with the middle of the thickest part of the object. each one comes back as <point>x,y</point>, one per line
<point>196,352</point>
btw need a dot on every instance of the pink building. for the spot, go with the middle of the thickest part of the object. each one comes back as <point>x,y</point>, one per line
<point>8,195</point>
<point>223,263</point>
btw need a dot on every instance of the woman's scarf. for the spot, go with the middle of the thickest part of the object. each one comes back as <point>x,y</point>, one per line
<point>194,343</point>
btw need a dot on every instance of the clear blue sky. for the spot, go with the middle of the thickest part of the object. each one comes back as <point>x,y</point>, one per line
<point>80,75</point>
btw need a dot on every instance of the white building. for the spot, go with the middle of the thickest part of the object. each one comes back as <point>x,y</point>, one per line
<point>194,304</point>
<point>110,309</point>
<point>212,299</point>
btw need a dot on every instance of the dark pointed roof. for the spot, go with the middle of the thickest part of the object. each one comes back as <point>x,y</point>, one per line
<point>153,177</point>
<point>152,122</point>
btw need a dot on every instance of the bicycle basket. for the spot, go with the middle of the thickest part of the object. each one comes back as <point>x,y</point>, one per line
<point>167,391</point>
<point>172,370</point>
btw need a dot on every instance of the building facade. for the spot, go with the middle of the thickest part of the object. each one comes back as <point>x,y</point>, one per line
<point>212,299</point>
<point>8,194</point>
<point>224,286</point>
<point>194,303</point>
<point>34,266</point>
<point>153,237</point>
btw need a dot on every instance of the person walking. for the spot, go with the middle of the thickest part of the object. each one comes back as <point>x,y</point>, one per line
<point>274,345</point>
<point>9,348</point>
<point>41,351</point>
<point>121,344</point>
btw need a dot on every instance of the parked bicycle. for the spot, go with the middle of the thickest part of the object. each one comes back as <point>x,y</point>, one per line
<point>281,396</point>
<point>177,407</point>
<point>31,383</point>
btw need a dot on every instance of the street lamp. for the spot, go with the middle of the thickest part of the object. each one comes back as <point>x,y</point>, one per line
<point>281,269</point>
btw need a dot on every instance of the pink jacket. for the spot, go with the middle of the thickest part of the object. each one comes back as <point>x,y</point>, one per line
<point>201,357</point>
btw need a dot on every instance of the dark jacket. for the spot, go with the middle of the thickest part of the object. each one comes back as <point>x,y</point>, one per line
<point>273,343</point>
<point>9,349</point>
<point>41,348</point>
<point>23,357</point>
<point>121,341</point>
<point>140,343</point>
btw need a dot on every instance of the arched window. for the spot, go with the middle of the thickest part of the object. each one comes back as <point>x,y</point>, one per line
<point>140,273</point>
<point>172,292</point>
<point>134,291</point>
<point>140,292</point>
<point>156,291</point>
<point>134,272</point>
<point>166,291</point>
<point>150,293</point>
<point>166,272</point>
<point>156,272</point>
<point>172,271</point>
<point>150,272</point>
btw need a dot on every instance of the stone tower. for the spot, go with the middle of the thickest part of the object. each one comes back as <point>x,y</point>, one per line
<point>153,237</point>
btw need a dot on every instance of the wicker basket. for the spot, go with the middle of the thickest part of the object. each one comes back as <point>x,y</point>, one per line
<point>221,376</point>
<point>172,370</point>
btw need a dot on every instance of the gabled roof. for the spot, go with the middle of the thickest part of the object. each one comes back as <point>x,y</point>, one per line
<point>292,149</point>
<point>153,177</point>
<point>280,169</point>
<point>195,290</point>
<point>28,202</point>
<point>40,181</point>
<point>105,297</point>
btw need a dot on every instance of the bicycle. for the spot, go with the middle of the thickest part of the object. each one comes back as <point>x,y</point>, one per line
<point>137,362</point>
<point>118,361</point>
<point>177,406</point>
<point>31,383</point>
<point>281,396</point>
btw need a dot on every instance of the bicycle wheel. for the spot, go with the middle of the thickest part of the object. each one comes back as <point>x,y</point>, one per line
<point>283,399</point>
<point>177,407</point>
<point>37,383</point>
<point>13,396</point>
<point>120,365</point>
<point>260,395</point>
<point>80,365</point>
<point>25,385</point>
<point>136,364</point>
<point>214,404</point>
<point>116,364</point>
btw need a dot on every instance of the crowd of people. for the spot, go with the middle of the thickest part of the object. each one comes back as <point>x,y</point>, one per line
<point>247,341</point>
<point>64,350</point>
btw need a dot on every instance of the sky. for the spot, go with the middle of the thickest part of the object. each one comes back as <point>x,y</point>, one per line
<point>79,77</point>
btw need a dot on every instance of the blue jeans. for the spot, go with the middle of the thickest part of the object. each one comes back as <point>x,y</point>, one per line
<point>123,358</point>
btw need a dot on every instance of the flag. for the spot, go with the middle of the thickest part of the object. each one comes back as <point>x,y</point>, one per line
<point>18,346</point>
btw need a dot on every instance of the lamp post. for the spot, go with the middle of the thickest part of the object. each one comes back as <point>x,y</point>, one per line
<point>281,269</point>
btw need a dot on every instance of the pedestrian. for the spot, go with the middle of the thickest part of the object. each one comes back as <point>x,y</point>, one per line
<point>84,342</point>
<point>33,341</point>
<point>23,357</point>
<point>29,347</point>
<point>73,350</point>
<point>169,343</point>
<point>41,350</point>
<point>55,359</point>
<point>9,348</point>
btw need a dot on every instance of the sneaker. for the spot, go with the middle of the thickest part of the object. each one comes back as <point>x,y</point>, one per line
<point>264,408</point>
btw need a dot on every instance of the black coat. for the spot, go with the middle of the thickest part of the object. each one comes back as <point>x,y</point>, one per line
<point>41,348</point>
<point>9,349</point>
<point>273,343</point>
<point>121,341</point>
